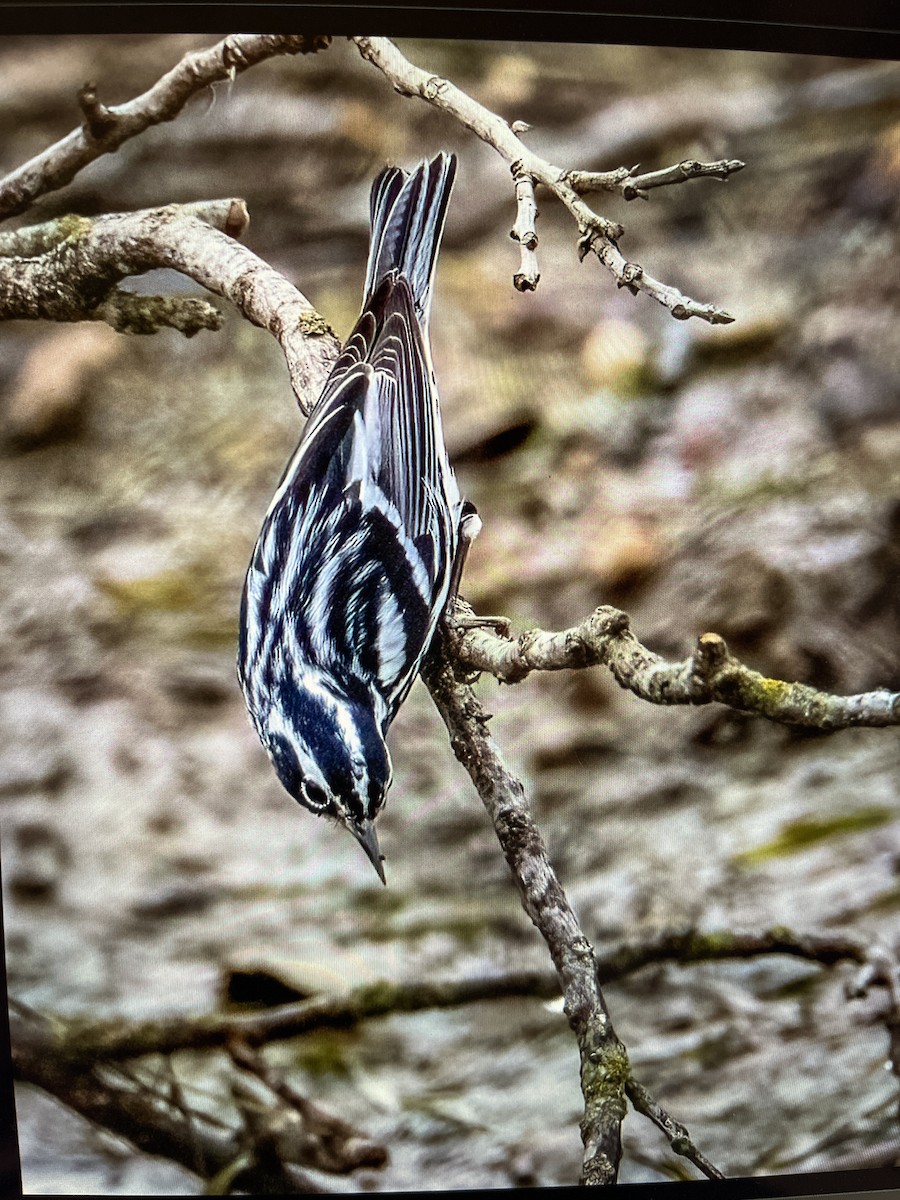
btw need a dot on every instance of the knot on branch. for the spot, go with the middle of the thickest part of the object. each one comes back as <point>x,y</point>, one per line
<point>233,56</point>
<point>433,87</point>
<point>526,281</point>
<point>632,273</point>
<point>528,240</point>
<point>237,219</point>
<point>586,241</point>
<point>710,656</point>
<point>99,121</point>
<point>609,622</point>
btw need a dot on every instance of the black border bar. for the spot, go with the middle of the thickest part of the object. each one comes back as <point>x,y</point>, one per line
<point>867,30</point>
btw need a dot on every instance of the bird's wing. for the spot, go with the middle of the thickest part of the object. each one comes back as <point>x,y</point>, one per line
<point>359,541</point>
<point>377,426</point>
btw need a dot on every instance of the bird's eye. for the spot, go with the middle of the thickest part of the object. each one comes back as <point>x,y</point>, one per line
<point>313,795</point>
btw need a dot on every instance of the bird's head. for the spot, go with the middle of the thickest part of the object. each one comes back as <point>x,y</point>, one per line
<point>330,755</point>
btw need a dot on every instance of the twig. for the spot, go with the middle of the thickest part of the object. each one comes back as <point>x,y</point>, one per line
<point>679,1138</point>
<point>105,129</point>
<point>596,233</point>
<point>632,186</point>
<point>86,258</point>
<point>321,1140</point>
<point>698,945</point>
<point>177,1101</point>
<point>165,1125</point>
<point>710,674</point>
<point>634,124</point>
<point>53,1053</point>
<point>880,967</point>
<point>124,1109</point>
<point>98,120</point>
<point>158,1085</point>
<point>604,1059</point>
<point>527,277</point>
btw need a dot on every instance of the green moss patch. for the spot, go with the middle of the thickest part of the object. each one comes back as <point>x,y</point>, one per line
<point>798,835</point>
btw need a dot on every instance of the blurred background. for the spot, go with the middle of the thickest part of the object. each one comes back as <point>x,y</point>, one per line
<point>742,479</point>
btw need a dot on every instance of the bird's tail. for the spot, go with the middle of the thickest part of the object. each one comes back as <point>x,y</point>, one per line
<point>407,216</point>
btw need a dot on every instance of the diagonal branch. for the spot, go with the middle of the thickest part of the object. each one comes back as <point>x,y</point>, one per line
<point>105,129</point>
<point>78,1043</point>
<point>710,674</point>
<point>596,233</point>
<point>166,1124</point>
<point>329,1143</point>
<point>679,1138</point>
<point>604,1059</point>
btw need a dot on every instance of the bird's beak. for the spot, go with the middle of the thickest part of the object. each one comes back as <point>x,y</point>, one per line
<point>368,839</point>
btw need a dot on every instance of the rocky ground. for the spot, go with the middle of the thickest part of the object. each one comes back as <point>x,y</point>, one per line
<point>743,479</point>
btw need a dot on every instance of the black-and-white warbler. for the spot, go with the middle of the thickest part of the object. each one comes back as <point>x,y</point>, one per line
<point>365,535</point>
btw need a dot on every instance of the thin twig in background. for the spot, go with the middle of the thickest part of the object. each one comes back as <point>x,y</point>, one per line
<point>320,1139</point>
<point>75,1047</point>
<point>80,1042</point>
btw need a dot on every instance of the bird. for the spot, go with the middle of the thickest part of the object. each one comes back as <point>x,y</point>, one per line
<point>364,540</point>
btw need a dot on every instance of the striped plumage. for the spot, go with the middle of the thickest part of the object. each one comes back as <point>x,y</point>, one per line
<point>353,565</point>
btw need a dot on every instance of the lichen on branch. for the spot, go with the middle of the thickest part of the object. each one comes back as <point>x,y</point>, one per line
<point>80,261</point>
<point>710,674</point>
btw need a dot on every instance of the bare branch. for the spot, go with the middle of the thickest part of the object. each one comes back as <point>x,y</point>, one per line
<point>87,258</point>
<point>604,1059</point>
<point>156,1116</point>
<point>710,674</point>
<point>880,968</point>
<point>679,1138</point>
<point>83,1042</point>
<point>105,129</point>
<point>597,234</point>
<point>54,1053</point>
<point>31,241</point>
<point>125,1108</point>
<point>699,945</point>
<point>632,186</point>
